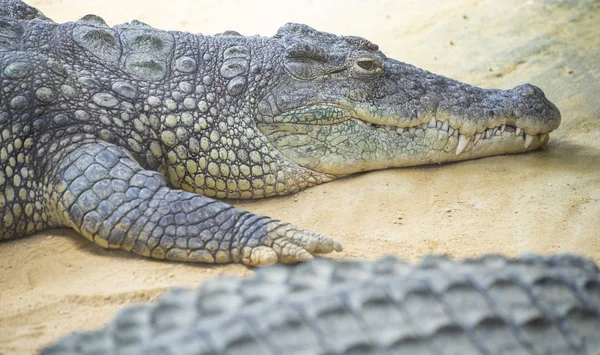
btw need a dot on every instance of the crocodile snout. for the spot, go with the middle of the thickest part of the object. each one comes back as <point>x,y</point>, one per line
<point>533,111</point>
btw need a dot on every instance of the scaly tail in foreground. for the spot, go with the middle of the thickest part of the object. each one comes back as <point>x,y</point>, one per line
<point>491,305</point>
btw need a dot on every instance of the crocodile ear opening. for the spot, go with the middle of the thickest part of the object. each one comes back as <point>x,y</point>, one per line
<point>306,61</point>
<point>303,69</point>
<point>306,51</point>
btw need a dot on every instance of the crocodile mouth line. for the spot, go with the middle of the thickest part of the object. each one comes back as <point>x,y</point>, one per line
<point>445,129</point>
<point>339,113</point>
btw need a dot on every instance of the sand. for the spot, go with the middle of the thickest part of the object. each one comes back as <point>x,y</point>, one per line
<point>545,202</point>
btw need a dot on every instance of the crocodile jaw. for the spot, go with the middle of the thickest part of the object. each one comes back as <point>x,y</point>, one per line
<point>354,145</point>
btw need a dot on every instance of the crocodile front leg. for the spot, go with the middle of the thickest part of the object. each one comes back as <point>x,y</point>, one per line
<point>102,192</point>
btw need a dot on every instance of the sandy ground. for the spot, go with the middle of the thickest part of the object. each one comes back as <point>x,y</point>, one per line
<point>546,201</point>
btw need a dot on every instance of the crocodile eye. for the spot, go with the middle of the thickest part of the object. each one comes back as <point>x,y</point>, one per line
<point>368,66</point>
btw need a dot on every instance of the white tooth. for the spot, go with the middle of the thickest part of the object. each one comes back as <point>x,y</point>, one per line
<point>442,133</point>
<point>431,122</point>
<point>399,130</point>
<point>518,131</point>
<point>502,128</point>
<point>488,133</point>
<point>477,138</point>
<point>462,143</point>
<point>424,125</point>
<point>445,126</point>
<point>528,140</point>
<point>451,131</point>
<point>411,130</point>
<point>543,138</point>
<point>497,132</point>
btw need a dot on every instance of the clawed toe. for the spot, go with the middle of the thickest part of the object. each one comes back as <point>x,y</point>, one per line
<point>290,245</point>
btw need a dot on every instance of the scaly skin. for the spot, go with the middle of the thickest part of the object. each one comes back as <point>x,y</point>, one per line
<point>490,305</point>
<point>126,134</point>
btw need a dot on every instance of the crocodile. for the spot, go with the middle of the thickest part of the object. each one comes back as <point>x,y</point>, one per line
<point>130,135</point>
<point>490,305</point>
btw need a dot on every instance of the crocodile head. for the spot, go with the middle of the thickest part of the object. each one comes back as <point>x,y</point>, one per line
<point>341,106</point>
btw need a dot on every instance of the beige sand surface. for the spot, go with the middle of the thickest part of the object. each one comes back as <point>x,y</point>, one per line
<point>546,201</point>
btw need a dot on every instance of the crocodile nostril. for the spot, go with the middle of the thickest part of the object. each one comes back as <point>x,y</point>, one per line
<point>529,91</point>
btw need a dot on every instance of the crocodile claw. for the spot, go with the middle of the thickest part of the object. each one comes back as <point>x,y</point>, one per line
<point>288,244</point>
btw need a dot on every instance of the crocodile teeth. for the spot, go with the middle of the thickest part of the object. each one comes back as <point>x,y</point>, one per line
<point>502,128</point>
<point>528,140</point>
<point>399,130</point>
<point>431,122</point>
<point>412,130</point>
<point>462,143</point>
<point>543,139</point>
<point>477,138</point>
<point>451,131</point>
<point>424,125</point>
<point>518,131</point>
<point>488,133</point>
<point>445,126</point>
